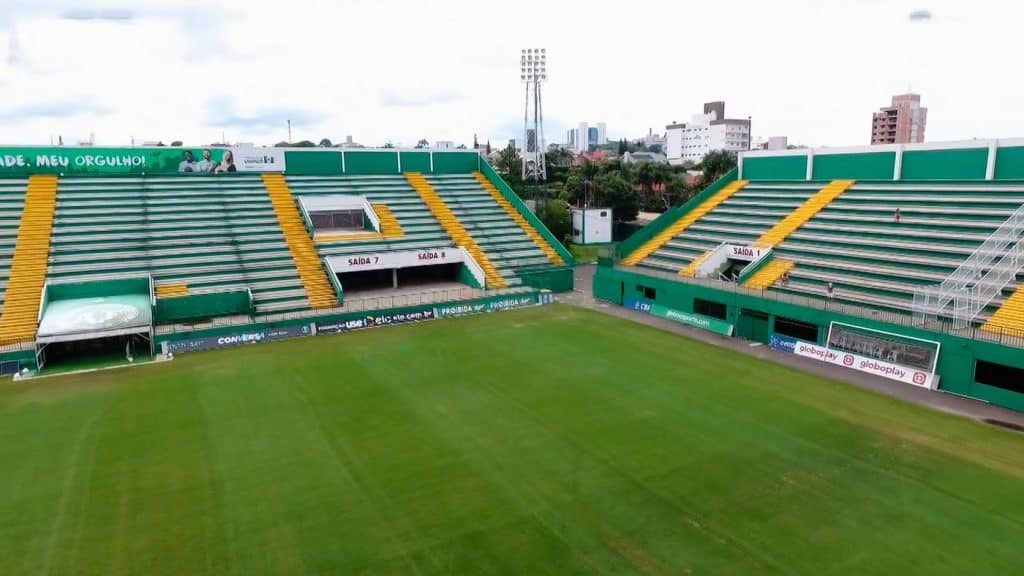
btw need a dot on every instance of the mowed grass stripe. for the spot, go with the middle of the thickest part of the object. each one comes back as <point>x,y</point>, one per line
<point>542,441</point>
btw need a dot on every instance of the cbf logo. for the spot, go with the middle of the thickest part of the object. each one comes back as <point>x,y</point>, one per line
<point>919,378</point>
<point>847,360</point>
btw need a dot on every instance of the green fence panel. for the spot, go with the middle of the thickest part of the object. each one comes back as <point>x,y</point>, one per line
<point>962,164</point>
<point>371,162</point>
<point>416,162</point>
<point>864,166</point>
<point>775,168</point>
<point>1010,163</point>
<point>97,289</point>
<point>457,162</point>
<point>554,279</point>
<point>525,212</point>
<point>313,162</point>
<point>196,306</point>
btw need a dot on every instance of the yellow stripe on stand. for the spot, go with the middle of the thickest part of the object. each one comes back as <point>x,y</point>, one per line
<point>769,274</point>
<point>319,291</point>
<point>684,222</point>
<point>804,212</point>
<point>454,228</point>
<point>171,290</point>
<point>20,316</point>
<point>1010,316</point>
<point>514,214</point>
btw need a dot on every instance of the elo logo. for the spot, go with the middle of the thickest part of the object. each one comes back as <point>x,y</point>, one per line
<point>847,360</point>
<point>919,378</point>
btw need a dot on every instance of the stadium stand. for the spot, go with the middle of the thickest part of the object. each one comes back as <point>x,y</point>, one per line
<point>193,235</point>
<point>852,240</point>
<point>120,252</point>
<point>866,235</point>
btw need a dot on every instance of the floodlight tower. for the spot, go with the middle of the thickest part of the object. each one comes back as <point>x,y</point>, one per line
<point>533,70</point>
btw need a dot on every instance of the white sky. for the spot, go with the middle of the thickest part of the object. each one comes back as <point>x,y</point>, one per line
<point>394,70</point>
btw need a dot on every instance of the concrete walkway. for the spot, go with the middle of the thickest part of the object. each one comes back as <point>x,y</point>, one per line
<point>967,407</point>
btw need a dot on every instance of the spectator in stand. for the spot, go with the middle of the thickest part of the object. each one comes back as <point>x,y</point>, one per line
<point>896,216</point>
<point>785,278</point>
<point>830,291</point>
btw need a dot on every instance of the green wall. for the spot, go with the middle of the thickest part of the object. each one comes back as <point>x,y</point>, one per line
<point>1010,163</point>
<point>457,162</point>
<point>554,279</point>
<point>858,166</point>
<point>775,168</point>
<point>320,162</point>
<point>371,162</point>
<point>196,306</point>
<point>962,164</point>
<point>956,359</point>
<point>416,162</point>
<point>97,288</point>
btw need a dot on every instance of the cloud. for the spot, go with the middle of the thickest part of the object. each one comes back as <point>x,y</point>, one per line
<point>395,99</point>
<point>920,16</point>
<point>54,109</point>
<point>221,113</point>
<point>113,15</point>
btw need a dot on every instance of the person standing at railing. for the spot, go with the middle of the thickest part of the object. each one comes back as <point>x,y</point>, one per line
<point>896,216</point>
<point>830,291</point>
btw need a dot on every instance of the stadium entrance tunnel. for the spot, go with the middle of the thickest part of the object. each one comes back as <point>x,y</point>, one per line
<point>403,269</point>
<point>103,350</point>
<point>376,280</point>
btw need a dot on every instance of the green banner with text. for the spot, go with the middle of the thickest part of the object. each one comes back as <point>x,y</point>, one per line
<point>696,320</point>
<point>88,160</point>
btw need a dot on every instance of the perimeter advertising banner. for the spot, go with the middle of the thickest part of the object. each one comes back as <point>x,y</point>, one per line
<point>864,364</point>
<point>228,340</point>
<point>21,161</point>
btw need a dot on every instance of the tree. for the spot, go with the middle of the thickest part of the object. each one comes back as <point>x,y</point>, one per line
<point>655,148</point>
<point>677,190</point>
<point>574,185</point>
<point>716,164</point>
<point>622,146</point>
<point>304,144</point>
<point>176,143</point>
<point>475,145</point>
<point>615,192</point>
<point>282,144</point>
<point>554,213</point>
<point>488,146</point>
<point>388,145</point>
<point>422,143</point>
<point>326,143</point>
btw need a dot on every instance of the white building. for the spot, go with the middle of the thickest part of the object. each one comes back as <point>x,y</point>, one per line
<point>691,141</point>
<point>772,143</point>
<point>584,136</point>
<point>444,145</point>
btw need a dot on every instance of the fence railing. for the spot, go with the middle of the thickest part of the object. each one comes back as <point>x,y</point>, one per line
<point>944,325</point>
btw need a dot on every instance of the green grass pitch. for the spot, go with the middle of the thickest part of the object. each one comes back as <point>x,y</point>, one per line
<point>543,441</point>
